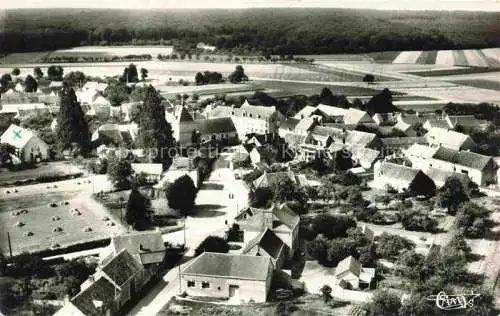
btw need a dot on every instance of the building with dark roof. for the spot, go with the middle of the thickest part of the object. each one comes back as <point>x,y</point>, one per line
<point>219,129</point>
<point>228,276</point>
<point>270,245</point>
<point>401,178</point>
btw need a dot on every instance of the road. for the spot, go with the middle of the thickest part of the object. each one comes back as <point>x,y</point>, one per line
<point>214,208</point>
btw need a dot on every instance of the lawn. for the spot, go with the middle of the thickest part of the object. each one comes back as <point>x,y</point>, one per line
<point>293,88</point>
<point>39,218</point>
<point>384,57</point>
<point>45,169</point>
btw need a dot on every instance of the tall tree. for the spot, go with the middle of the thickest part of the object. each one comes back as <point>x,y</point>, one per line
<point>130,74</point>
<point>16,71</point>
<point>144,73</point>
<point>181,194</point>
<point>55,73</point>
<point>238,75</point>
<point>117,93</point>
<point>72,127</point>
<point>37,72</point>
<point>75,78</point>
<point>452,194</point>
<point>155,133</point>
<point>138,209</point>
<point>30,84</point>
<point>6,82</point>
<point>119,172</point>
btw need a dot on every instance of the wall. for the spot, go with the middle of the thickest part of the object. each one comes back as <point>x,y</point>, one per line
<point>38,146</point>
<point>219,287</point>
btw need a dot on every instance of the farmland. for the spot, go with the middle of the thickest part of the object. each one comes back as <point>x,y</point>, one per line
<point>112,51</point>
<point>34,213</point>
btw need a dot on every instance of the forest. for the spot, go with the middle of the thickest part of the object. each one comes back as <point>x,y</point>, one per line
<point>248,31</point>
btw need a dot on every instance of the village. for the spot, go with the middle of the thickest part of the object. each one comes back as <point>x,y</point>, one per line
<point>122,197</point>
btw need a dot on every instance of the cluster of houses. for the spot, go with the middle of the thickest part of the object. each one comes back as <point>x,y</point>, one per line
<point>125,268</point>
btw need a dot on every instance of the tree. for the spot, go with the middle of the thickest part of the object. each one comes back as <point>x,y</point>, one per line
<point>332,226</point>
<point>3,265</point>
<point>181,194</point>
<point>72,127</point>
<point>326,293</point>
<point>75,79</point>
<point>369,78</point>
<point>212,244</point>
<point>138,209</point>
<point>389,246</point>
<point>55,73</point>
<point>452,194</point>
<point>418,304</point>
<point>37,72</point>
<point>418,220</point>
<point>119,172</point>
<point>16,71</point>
<point>285,190</point>
<point>138,94</point>
<point>144,73</point>
<point>6,150</point>
<point>30,84</point>
<point>117,93</point>
<point>155,133</point>
<point>385,303</point>
<point>6,82</point>
<point>381,103</point>
<point>472,220</point>
<point>238,75</point>
<point>130,74</point>
<point>459,243</point>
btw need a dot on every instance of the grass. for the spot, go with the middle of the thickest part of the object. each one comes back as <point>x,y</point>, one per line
<point>39,221</point>
<point>459,57</point>
<point>451,72</point>
<point>427,58</point>
<point>480,83</point>
<point>384,57</point>
<point>23,58</point>
<point>48,169</point>
<point>293,88</point>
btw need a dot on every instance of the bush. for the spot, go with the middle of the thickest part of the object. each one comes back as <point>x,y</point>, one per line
<point>417,220</point>
<point>212,244</point>
<point>390,246</point>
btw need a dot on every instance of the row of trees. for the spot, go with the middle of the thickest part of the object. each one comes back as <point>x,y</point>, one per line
<point>280,32</point>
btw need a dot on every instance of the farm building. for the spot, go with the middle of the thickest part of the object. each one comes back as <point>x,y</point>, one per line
<point>115,134</point>
<point>354,116</point>
<point>401,178</point>
<point>352,275</point>
<point>450,139</point>
<point>152,171</point>
<point>220,129</point>
<point>267,244</point>
<point>439,176</point>
<point>228,276</point>
<point>396,145</point>
<point>29,147</point>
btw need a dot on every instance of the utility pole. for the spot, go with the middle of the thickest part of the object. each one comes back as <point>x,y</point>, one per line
<point>10,245</point>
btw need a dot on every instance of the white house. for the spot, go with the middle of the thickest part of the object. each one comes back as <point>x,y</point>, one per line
<point>441,137</point>
<point>351,274</point>
<point>29,147</point>
<point>400,177</point>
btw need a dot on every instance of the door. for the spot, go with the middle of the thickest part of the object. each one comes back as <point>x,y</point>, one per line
<point>233,290</point>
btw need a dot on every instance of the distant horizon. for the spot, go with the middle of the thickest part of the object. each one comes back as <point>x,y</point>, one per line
<point>383,5</point>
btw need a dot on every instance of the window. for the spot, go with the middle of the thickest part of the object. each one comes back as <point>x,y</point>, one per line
<point>205,285</point>
<point>191,284</point>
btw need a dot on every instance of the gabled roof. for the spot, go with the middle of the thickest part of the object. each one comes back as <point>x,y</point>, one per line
<point>349,264</point>
<point>293,140</point>
<point>282,218</point>
<point>357,139</point>
<point>269,178</point>
<point>440,175</point>
<point>467,121</point>
<point>463,158</point>
<point>140,243</point>
<point>268,241</point>
<point>323,131</point>
<point>403,141</point>
<point>329,110</point>
<point>121,267</point>
<point>182,114</point>
<point>305,112</point>
<point>355,116</point>
<point>17,136</point>
<point>215,126</point>
<point>417,150</point>
<point>264,111</point>
<point>447,138</point>
<point>230,266</point>
<point>100,291</point>
<point>305,123</point>
<point>398,172</point>
<point>367,156</point>
<point>434,122</point>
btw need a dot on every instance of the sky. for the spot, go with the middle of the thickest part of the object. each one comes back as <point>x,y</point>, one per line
<point>469,5</point>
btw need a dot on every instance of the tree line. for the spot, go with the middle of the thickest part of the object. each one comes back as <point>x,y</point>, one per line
<point>277,31</point>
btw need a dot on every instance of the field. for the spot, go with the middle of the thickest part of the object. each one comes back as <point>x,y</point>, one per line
<point>56,168</point>
<point>42,217</point>
<point>291,88</point>
<point>23,58</point>
<point>469,57</point>
<point>480,83</point>
<point>425,72</point>
<point>113,51</point>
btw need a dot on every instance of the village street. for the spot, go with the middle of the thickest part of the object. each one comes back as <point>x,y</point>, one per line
<point>215,207</point>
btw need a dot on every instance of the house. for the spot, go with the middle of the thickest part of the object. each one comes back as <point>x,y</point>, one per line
<point>256,154</point>
<point>220,129</point>
<point>396,145</point>
<point>182,122</point>
<point>480,169</point>
<point>401,178</point>
<point>118,280</point>
<point>250,118</point>
<point>147,246</point>
<point>280,219</point>
<point>227,276</point>
<point>350,274</point>
<point>466,121</point>
<point>354,116</point>
<point>269,179</point>
<point>385,118</point>
<point>305,112</point>
<point>151,171</point>
<point>440,176</point>
<point>115,134</point>
<point>305,125</point>
<point>267,244</point>
<point>406,123</point>
<point>436,122</point>
<point>288,126</point>
<point>365,157</point>
<point>29,147</point>
<point>441,137</point>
